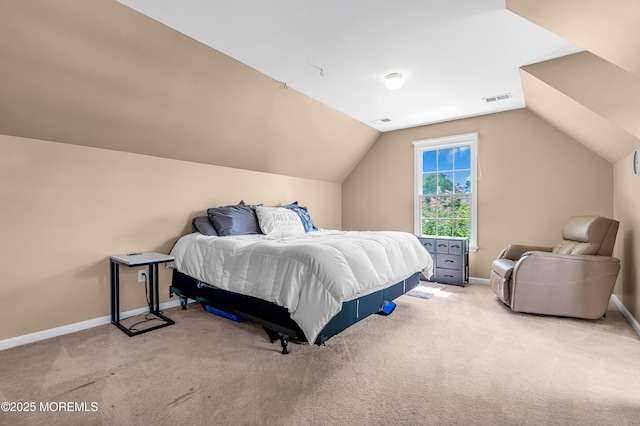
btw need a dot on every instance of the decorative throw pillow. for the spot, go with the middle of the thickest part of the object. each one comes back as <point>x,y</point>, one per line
<point>234,220</point>
<point>279,221</point>
<point>304,216</point>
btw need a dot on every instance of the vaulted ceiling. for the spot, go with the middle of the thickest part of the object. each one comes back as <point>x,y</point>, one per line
<point>100,74</point>
<point>453,54</point>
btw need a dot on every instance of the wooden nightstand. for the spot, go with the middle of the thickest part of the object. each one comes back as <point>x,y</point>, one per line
<point>151,260</point>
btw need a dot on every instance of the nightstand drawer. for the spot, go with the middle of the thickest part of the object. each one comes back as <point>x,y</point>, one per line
<point>456,246</point>
<point>428,243</point>
<point>449,261</point>
<point>449,276</point>
<point>450,246</point>
<point>442,246</point>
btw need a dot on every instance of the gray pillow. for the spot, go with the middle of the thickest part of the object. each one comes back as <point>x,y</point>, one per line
<point>203,225</point>
<point>240,219</point>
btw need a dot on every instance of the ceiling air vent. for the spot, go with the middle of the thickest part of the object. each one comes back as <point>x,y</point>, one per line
<point>497,98</point>
<point>381,120</point>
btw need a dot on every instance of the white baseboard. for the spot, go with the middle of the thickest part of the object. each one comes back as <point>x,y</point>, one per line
<point>634,323</point>
<point>71,328</point>
<point>83,325</point>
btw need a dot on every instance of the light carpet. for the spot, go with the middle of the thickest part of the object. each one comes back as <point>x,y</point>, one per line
<point>458,360</point>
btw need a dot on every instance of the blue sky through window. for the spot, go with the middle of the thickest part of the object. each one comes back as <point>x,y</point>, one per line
<point>446,201</point>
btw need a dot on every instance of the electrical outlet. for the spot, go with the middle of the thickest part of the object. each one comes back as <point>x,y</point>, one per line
<point>142,275</point>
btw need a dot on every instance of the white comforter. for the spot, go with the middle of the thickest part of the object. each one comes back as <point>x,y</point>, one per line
<point>309,274</point>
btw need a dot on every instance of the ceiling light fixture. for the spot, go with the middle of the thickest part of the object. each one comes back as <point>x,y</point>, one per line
<point>394,81</point>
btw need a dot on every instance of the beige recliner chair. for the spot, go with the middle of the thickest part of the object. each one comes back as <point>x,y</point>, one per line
<point>573,279</point>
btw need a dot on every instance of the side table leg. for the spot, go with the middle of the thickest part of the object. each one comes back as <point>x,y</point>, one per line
<point>150,288</point>
<point>156,289</point>
<point>115,293</point>
<point>154,297</point>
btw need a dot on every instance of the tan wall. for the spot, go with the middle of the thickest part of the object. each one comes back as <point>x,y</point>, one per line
<point>627,211</point>
<point>65,209</point>
<point>600,86</point>
<point>587,122</point>
<point>604,28</point>
<point>97,73</point>
<point>596,102</point>
<point>532,177</point>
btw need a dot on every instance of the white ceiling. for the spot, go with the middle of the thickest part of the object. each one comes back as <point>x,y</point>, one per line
<point>452,53</point>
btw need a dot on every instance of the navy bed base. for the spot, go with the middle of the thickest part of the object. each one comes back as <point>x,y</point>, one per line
<point>275,319</point>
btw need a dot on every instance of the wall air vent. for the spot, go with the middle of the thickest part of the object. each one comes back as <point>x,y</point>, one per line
<point>381,120</point>
<point>497,98</point>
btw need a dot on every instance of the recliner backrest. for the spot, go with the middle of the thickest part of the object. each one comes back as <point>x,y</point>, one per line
<point>589,235</point>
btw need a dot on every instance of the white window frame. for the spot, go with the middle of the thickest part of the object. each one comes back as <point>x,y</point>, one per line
<point>468,139</point>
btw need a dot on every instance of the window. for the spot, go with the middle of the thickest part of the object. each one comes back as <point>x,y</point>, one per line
<point>445,187</point>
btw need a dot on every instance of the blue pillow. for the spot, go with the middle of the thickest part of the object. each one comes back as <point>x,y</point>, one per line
<point>203,225</point>
<point>304,216</point>
<point>240,219</point>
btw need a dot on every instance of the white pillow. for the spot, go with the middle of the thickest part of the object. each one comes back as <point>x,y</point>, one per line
<point>278,221</point>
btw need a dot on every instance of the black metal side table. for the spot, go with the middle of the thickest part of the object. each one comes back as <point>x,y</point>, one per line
<point>151,260</point>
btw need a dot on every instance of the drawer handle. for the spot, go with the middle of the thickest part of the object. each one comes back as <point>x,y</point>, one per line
<point>456,246</point>
<point>448,261</point>
<point>449,276</point>
<point>442,245</point>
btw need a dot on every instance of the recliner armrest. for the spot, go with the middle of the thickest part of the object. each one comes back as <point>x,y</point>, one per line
<point>559,269</point>
<point>515,251</point>
<point>541,255</point>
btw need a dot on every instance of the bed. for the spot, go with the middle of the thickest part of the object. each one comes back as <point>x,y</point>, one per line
<point>304,285</point>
